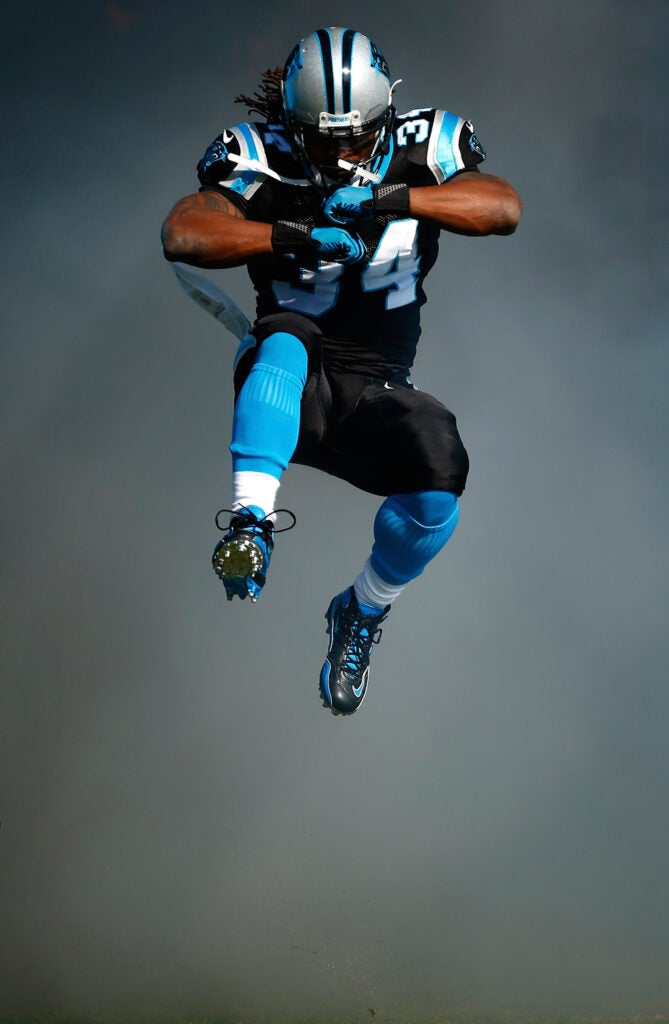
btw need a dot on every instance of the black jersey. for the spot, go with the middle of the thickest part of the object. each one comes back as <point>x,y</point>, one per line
<point>370,312</point>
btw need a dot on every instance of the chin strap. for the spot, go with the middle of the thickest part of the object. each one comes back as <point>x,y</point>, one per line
<point>359,172</point>
<point>256,165</point>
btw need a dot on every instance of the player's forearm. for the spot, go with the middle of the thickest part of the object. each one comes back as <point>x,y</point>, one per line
<point>207,230</point>
<point>470,204</point>
<point>215,241</point>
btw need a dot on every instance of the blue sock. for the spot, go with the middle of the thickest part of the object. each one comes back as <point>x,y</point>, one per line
<point>409,530</point>
<point>266,421</point>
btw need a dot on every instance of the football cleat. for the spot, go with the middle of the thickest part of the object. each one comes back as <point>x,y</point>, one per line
<point>241,559</point>
<point>344,676</point>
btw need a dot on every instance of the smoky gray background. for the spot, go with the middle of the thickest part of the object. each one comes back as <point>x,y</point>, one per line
<point>183,828</point>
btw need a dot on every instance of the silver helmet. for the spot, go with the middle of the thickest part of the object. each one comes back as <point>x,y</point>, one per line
<point>337,100</point>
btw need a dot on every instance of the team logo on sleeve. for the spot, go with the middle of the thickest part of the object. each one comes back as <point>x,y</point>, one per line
<point>474,143</point>
<point>216,153</point>
<point>215,165</point>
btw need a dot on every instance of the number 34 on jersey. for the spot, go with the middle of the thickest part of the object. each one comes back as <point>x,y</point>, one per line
<point>393,268</point>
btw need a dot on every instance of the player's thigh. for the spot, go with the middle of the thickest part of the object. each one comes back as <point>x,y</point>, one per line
<point>400,440</point>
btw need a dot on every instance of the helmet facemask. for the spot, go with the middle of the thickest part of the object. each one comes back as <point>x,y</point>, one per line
<point>339,153</point>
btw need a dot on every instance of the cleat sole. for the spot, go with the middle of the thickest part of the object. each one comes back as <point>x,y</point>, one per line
<point>337,714</point>
<point>238,559</point>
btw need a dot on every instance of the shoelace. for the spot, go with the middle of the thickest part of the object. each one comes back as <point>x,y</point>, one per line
<point>244,519</point>
<point>358,638</point>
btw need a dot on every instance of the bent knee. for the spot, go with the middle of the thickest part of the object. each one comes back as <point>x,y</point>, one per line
<point>431,509</point>
<point>286,352</point>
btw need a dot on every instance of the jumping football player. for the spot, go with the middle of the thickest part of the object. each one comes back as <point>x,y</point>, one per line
<point>335,203</point>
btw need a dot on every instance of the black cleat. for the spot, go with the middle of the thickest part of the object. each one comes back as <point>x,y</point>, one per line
<point>343,679</point>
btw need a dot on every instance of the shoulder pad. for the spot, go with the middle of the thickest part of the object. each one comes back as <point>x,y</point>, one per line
<point>281,157</point>
<point>453,146</point>
<point>219,165</point>
<point>414,127</point>
<point>244,157</point>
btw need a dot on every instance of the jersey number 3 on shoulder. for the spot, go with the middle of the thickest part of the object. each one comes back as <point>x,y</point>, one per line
<point>393,269</point>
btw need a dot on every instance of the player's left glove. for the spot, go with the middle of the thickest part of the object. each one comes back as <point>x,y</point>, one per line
<point>355,202</point>
<point>337,245</point>
<point>334,245</point>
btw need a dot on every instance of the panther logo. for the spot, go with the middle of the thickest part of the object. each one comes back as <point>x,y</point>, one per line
<point>294,62</point>
<point>379,61</point>
<point>476,146</point>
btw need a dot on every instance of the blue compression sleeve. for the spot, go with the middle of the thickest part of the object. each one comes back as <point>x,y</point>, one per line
<point>409,530</point>
<point>266,422</point>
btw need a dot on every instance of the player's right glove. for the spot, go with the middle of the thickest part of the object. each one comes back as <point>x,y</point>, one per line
<point>355,202</point>
<point>331,244</point>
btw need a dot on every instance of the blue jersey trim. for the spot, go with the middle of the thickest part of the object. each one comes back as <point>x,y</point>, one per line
<point>382,168</point>
<point>247,178</point>
<point>445,151</point>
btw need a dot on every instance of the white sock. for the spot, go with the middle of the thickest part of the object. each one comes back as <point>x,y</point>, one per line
<point>370,589</point>
<point>249,488</point>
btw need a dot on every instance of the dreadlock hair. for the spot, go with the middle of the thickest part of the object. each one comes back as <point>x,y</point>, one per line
<point>266,101</point>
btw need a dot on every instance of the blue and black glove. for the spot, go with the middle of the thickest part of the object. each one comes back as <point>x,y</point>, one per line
<point>331,244</point>
<point>355,202</point>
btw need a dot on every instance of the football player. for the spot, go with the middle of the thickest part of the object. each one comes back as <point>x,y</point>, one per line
<point>334,202</point>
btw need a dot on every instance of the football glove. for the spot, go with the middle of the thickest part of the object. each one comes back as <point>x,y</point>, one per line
<point>354,202</point>
<point>331,244</point>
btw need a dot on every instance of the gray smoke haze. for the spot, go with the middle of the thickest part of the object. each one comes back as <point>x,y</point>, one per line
<point>183,828</point>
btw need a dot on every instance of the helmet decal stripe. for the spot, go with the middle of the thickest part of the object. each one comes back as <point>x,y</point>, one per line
<point>347,53</point>
<point>328,72</point>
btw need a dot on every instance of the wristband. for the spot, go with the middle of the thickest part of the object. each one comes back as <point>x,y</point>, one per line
<point>288,235</point>
<point>391,198</point>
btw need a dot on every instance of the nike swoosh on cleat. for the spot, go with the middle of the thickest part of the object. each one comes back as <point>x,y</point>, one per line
<point>357,690</point>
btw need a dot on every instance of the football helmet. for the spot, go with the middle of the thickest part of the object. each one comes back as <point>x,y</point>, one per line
<point>337,101</point>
